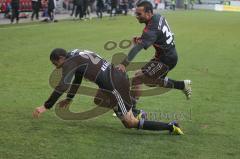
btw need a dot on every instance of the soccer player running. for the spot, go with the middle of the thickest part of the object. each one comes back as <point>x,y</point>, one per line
<point>158,34</point>
<point>114,88</point>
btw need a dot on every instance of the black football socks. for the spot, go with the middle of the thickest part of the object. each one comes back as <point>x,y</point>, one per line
<point>169,83</point>
<point>154,125</point>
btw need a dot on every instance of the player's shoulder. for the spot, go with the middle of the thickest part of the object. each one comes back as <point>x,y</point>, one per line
<point>74,55</point>
<point>84,54</point>
<point>73,52</point>
<point>157,18</point>
<point>79,52</point>
<point>155,21</point>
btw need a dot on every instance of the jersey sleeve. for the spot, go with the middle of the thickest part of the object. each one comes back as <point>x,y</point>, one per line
<point>132,53</point>
<point>77,81</point>
<point>149,36</point>
<point>62,86</point>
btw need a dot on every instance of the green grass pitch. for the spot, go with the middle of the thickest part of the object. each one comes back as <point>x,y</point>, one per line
<point>208,46</point>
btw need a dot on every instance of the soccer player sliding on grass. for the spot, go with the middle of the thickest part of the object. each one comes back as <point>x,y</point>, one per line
<point>114,88</point>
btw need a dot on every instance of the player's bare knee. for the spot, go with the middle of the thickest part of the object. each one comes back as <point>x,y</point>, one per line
<point>129,124</point>
<point>126,126</point>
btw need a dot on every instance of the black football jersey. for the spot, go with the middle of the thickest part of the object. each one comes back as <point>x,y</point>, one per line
<point>157,33</point>
<point>84,62</point>
<point>79,64</point>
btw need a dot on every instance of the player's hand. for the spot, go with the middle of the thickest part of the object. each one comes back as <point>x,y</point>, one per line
<point>38,111</point>
<point>136,40</point>
<point>64,103</point>
<point>121,67</point>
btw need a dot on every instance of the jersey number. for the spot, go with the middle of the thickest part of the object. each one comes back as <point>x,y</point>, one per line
<point>88,55</point>
<point>168,33</point>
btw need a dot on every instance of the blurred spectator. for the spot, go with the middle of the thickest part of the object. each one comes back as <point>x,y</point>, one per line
<point>114,4</point>
<point>130,4</point>
<point>15,10</point>
<point>100,6</point>
<point>67,5</point>
<point>36,4</point>
<point>173,3</point>
<point>165,4</point>
<point>79,10</point>
<point>156,3</point>
<point>74,7</point>
<point>5,8</point>
<point>92,5</point>
<point>124,6</point>
<point>44,6</point>
<point>1,4</point>
<point>192,3</point>
<point>185,4</point>
<point>51,7</point>
<point>86,9</point>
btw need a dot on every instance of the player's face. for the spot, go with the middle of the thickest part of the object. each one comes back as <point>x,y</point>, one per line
<point>58,63</point>
<point>141,15</point>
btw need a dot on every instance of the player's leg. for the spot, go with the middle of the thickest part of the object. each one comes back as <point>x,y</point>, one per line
<point>125,114</point>
<point>172,127</point>
<point>135,93</point>
<point>105,98</point>
<point>150,76</point>
<point>184,85</point>
<point>121,88</point>
<point>124,108</point>
<point>137,81</point>
<point>154,74</point>
<point>130,121</point>
<point>170,60</point>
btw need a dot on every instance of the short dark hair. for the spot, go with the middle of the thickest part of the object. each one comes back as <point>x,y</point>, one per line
<point>56,53</point>
<point>146,4</point>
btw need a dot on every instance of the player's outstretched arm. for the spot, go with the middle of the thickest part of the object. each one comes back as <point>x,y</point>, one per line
<point>65,103</point>
<point>132,53</point>
<point>72,92</point>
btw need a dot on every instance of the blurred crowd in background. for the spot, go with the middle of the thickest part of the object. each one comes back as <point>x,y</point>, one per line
<point>79,9</point>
